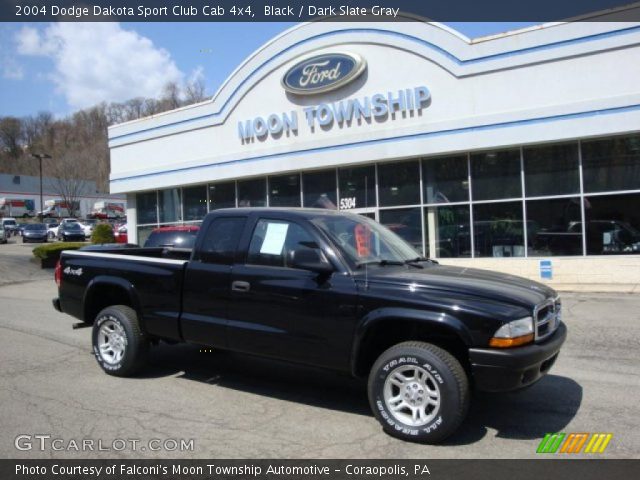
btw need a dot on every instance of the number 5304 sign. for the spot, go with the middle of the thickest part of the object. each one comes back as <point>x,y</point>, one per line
<point>346,203</point>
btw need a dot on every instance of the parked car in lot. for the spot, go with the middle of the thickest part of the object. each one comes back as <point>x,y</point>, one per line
<point>34,232</point>
<point>53,227</point>
<point>10,226</point>
<point>88,226</point>
<point>120,233</point>
<point>178,237</point>
<point>71,232</point>
<point>324,288</point>
<point>20,227</point>
<point>3,235</point>
<point>52,230</point>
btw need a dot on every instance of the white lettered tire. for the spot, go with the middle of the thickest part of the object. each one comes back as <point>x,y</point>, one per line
<point>418,392</point>
<point>119,344</point>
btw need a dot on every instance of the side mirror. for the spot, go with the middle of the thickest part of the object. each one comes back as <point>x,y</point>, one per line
<point>310,259</point>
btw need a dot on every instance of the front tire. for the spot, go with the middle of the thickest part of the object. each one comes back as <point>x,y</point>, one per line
<point>418,392</point>
<point>119,344</point>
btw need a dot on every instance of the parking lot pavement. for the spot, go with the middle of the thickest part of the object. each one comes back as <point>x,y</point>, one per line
<point>17,263</point>
<point>235,406</point>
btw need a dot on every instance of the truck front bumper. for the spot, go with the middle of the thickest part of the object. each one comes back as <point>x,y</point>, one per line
<point>496,370</point>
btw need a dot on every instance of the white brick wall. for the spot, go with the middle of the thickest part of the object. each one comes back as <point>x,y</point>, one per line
<point>578,274</point>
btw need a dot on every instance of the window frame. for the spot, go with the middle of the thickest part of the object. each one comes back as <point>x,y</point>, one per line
<point>198,248</point>
<point>307,230</point>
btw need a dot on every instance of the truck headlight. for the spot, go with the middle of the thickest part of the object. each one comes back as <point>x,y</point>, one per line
<point>514,333</point>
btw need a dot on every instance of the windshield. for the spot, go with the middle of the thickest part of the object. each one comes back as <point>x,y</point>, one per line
<point>364,240</point>
<point>35,226</point>
<point>72,226</point>
<point>9,222</point>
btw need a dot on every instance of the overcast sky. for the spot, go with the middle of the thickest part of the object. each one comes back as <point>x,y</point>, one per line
<point>63,67</point>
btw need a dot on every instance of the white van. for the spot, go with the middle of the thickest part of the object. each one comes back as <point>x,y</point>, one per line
<point>10,226</point>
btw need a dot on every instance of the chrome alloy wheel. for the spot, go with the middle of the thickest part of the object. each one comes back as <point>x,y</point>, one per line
<point>112,342</point>
<point>412,395</point>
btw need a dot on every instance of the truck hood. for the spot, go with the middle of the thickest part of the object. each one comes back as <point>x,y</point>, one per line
<point>465,281</point>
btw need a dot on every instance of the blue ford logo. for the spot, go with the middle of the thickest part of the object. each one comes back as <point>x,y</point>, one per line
<point>322,73</point>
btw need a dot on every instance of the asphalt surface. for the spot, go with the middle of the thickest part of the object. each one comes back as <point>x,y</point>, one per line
<point>235,406</point>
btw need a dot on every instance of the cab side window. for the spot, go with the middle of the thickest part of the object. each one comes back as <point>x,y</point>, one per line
<point>274,241</point>
<point>221,240</point>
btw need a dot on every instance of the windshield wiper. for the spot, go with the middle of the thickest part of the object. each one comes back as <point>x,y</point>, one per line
<point>382,263</point>
<point>416,261</point>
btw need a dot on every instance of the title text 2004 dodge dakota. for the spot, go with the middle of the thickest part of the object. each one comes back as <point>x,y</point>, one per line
<point>329,289</point>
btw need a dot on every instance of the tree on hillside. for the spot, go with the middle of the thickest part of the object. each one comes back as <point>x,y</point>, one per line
<point>194,91</point>
<point>78,143</point>
<point>65,181</point>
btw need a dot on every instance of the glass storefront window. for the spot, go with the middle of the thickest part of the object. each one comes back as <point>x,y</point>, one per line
<point>613,224</point>
<point>146,208</point>
<point>195,202</point>
<point>496,175</point>
<point>284,190</point>
<point>399,183</point>
<point>551,170</point>
<point>447,231</point>
<point>222,195</point>
<point>406,223</point>
<point>320,189</point>
<point>143,234</point>
<point>252,193</point>
<point>498,229</point>
<point>554,227</point>
<point>446,179</point>
<point>611,164</point>
<point>169,203</point>
<point>357,187</point>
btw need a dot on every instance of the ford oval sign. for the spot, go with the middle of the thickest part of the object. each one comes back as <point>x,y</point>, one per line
<point>322,73</point>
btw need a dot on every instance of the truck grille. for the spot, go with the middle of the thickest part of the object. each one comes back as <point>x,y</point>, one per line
<point>547,316</point>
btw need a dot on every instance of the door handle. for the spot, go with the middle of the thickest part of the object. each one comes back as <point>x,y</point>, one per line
<point>240,286</point>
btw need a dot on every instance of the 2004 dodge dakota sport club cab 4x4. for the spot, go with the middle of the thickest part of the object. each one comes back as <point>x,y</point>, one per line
<point>329,289</point>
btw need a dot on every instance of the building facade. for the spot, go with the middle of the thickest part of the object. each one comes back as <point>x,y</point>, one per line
<point>26,188</point>
<point>518,152</point>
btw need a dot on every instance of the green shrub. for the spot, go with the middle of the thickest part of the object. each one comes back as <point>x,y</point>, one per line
<point>52,250</point>
<point>102,233</point>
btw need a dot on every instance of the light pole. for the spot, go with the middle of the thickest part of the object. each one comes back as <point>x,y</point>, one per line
<point>40,156</point>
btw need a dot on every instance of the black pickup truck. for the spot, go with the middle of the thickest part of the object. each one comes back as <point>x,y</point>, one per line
<point>328,289</point>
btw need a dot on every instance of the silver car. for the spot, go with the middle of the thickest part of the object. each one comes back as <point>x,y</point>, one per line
<point>34,232</point>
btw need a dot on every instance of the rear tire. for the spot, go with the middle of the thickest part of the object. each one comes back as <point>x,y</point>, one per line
<point>418,392</point>
<point>119,344</point>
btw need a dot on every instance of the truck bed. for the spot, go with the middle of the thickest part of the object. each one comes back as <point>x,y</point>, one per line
<point>152,276</point>
<point>151,252</point>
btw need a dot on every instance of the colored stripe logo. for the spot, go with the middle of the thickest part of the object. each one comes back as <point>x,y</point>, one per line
<point>574,443</point>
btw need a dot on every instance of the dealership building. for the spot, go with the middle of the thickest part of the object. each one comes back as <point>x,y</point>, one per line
<point>518,152</point>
